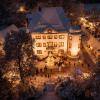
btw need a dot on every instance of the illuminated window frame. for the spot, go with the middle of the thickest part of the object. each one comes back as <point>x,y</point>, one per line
<point>50,44</point>
<point>49,37</point>
<point>44,36</point>
<point>61,36</point>
<point>44,44</point>
<point>55,36</point>
<point>55,44</point>
<point>38,36</point>
<point>79,46</point>
<point>61,51</point>
<point>38,44</point>
<point>61,44</point>
<point>79,38</point>
<point>39,51</point>
<point>70,45</point>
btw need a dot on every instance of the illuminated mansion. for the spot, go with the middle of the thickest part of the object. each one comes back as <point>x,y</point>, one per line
<point>53,33</point>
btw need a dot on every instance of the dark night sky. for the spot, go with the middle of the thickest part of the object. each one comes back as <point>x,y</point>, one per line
<point>84,1</point>
<point>90,1</point>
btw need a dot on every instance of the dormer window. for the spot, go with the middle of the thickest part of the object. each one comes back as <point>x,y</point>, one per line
<point>49,36</point>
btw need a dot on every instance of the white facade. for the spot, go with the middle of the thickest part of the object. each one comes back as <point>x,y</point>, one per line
<point>49,41</point>
<point>57,43</point>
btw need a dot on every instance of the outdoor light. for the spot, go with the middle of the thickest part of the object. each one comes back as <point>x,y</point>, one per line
<point>91,48</point>
<point>21,9</point>
<point>86,75</point>
<point>74,51</point>
<point>83,19</point>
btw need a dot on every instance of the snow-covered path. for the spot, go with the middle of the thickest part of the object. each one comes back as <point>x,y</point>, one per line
<point>50,94</point>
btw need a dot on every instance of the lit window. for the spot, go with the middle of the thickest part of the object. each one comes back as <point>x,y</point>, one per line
<point>61,51</point>
<point>79,46</point>
<point>61,36</point>
<point>69,53</point>
<point>70,45</point>
<point>39,51</point>
<point>49,36</point>
<point>44,44</point>
<point>38,37</point>
<point>55,36</point>
<point>70,37</point>
<point>55,44</point>
<point>80,38</point>
<point>44,37</point>
<point>50,44</point>
<point>39,44</point>
<point>61,44</point>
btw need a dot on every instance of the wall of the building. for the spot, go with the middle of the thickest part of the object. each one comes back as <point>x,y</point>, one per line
<point>58,43</point>
<point>74,42</point>
<point>45,42</point>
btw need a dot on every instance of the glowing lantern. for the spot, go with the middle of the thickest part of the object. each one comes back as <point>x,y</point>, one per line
<point>21,9</point>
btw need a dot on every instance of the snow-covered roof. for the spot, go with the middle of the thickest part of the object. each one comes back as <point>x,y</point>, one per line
<point>4,32</point>
<point>75,29</point>
<point>92,6</point>
<point>50,17</point>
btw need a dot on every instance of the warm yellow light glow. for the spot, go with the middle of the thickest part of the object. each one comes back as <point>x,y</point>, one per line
<point>86,23</point>
<point>86,75</point>
<point>50,61</point>
<point>21,9</point>
<point>74,51</point>
<point>83,19</point>
<point>91,48</point>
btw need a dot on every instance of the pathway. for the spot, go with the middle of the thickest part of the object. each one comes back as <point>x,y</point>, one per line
<point>50,94</point>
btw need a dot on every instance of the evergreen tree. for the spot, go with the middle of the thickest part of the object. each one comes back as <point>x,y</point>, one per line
<point>10,45</point>
<point>26,53</point>
<point>18,46</point>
